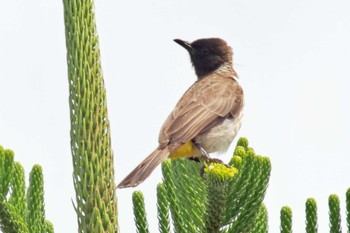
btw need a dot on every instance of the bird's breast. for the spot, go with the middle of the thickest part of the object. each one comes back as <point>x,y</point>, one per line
<point>219,138</point>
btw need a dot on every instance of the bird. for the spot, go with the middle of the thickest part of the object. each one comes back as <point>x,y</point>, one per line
<point>207,117</point>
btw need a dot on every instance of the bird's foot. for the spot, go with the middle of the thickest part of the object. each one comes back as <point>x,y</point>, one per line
<point>207,159</point>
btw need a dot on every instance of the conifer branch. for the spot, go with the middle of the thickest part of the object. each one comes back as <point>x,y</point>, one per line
<point>93,170</point>
<point>139,212</point>
<point>286,220</point>
<point>311,215</point>
<point>334,214</point>
<point>163,209</point>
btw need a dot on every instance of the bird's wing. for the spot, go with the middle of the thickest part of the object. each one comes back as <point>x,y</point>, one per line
<point>205,102</point>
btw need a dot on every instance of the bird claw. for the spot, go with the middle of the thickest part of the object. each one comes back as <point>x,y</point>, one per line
<point>207,158</point>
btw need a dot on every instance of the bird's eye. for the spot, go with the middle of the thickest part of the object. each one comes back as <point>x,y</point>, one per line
<point>205,51</point>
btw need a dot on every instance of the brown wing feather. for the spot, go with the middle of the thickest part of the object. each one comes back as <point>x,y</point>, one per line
<point>204,102</point>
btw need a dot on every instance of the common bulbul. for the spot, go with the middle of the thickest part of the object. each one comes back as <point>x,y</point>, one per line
<point>207,117</point>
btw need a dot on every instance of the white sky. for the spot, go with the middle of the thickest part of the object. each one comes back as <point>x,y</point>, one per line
<point>292,57</point>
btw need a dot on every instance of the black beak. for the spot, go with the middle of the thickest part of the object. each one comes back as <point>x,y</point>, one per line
<point>184,44</point>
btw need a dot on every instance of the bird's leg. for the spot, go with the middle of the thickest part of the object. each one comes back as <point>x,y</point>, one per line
<point>206,157</point>
<point>205,154</point>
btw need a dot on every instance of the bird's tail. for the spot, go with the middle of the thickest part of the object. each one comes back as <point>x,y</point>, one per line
<point>145,168</point>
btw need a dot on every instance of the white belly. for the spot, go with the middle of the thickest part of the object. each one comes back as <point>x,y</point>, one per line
<point>219,138</point>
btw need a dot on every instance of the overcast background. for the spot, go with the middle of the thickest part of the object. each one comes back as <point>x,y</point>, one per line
<point>292,57</point>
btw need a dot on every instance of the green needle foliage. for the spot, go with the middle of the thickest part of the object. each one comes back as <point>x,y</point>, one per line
<point>140,212</point>
<point>286,220</point>
<point>93,172</point>
<point>18,196</point>
<point>49,227</point>
<point>35,201</point>
<point>163,209</point>
<point>21,211</point>
<point>248,188</point>
<point>311,216</point>
<point>216,180</point>
<point>225,199</point>
<point>348,209</point>
<point>334,214</point>
<point>187,216</point>
<point>6,165</point>
<point>261,221</point>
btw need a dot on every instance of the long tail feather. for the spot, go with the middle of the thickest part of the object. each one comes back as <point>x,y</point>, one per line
<point>144,169</point>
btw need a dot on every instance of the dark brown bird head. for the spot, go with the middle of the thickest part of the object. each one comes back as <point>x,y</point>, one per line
<point>207,55</point>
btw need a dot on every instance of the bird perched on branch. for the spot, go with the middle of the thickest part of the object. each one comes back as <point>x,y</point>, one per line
<point>207,117</point>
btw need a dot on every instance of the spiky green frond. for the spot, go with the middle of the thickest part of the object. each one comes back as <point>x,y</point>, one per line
<point>286,220</point>
<point>261,221</point>
<point>217,177</point>
<point>139,212</point>
<point>18,192</point>
<point>242,142</point>
<point>10,222</point>
<point>348,209</point>
<point>186,193</point>
<point>334,214</point>
<point>35,201</point>
<point>20,211</point>
<point>247,189</point>
<point>95,222</point>
<point>93,170</point>
<point>12,208</point>
<point>163,209</point>
<point>49,227</point>
<point>226,200</point>
<point>311,215</point>
<point>6,168</point>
